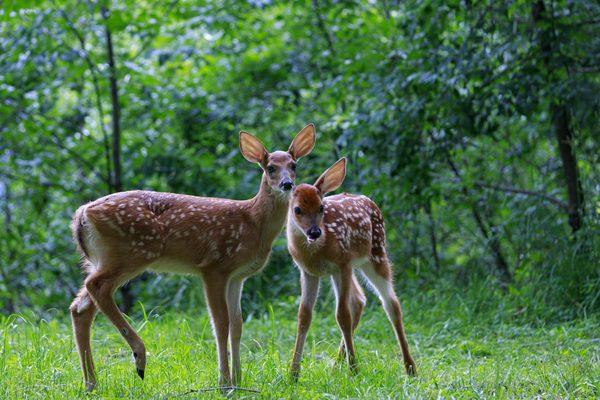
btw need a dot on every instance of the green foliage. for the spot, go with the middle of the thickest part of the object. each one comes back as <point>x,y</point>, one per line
<point>443,109</point>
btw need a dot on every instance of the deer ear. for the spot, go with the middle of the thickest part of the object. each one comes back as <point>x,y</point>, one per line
<point>332,179</point>
<point>252,149</point>
<point>303,143</point>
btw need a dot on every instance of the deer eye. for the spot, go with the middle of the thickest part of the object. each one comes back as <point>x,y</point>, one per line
<point>293,167</point>
<point>271,169</point>
<point>321,209</point>
<point>297,210</point>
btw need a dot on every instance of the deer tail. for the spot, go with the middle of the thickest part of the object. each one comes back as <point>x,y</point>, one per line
<point>77,227</point>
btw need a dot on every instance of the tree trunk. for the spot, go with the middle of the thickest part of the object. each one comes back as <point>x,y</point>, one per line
<point>433,237</point>
<point>9,307</point>
<point>564,137</point>
<point>126,295</point>
<point>561,121</point>
<point>116,109</point>
<point>92,69</point>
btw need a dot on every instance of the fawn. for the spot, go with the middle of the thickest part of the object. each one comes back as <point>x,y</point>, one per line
<point>333,236</point>
<point>223,241</point>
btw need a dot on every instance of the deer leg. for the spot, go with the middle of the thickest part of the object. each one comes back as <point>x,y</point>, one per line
<point>83,310</point>
<point>343,284</point>
<point>310,290</point>
<point>234,294</point>
<point>358,300</point>
<point>101,286</point>
<point>215,288</point>
<point>380,276</point>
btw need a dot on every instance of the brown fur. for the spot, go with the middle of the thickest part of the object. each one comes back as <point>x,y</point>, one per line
<point>77,227</point>
<point>353,236</point>
<point>144,226</point>
<point>224,241</point>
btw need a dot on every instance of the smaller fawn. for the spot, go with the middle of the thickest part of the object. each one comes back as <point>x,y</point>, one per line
<point>333,236</point>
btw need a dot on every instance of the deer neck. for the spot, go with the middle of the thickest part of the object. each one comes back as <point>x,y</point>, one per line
<point>269,209</point>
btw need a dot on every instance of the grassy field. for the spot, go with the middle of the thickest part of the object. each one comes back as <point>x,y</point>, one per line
<point>460,353</point>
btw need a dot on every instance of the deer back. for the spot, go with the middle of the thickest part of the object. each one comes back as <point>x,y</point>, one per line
<point>143,227</point>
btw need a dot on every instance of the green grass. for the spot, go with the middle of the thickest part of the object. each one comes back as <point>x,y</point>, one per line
<point>460,353</point>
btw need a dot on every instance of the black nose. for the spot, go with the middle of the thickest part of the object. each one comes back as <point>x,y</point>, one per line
<point>314,232</point>
<point>286,184</point>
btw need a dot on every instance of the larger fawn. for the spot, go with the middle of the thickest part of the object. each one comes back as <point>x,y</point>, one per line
<point>332,236</point>
<point>223,241</point>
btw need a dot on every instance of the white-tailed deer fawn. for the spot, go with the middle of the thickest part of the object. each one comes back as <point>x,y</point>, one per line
<point>223,241</point>
<point>332,236</point>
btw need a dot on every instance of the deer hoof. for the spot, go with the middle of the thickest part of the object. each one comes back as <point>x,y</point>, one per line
<point>89,386</point>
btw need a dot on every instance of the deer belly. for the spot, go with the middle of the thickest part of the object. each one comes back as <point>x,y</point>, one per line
<point>359,262</point>
<point>249,269</point>
<point>173,266</point>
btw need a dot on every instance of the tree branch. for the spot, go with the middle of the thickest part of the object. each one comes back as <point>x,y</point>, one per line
<point>489,234</point>
<point>29,181</point>
<point>322,27</point>
<point>149,40</point>
<point>114,95</point>
<point>92,67</point>
<point>506,189</point>
<point>76,156</point>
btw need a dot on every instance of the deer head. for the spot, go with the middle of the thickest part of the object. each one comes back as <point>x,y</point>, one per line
<point>279,166</point>
<point>307,200</point>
